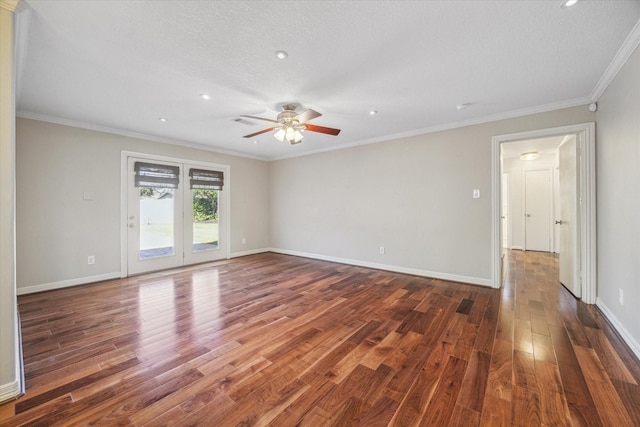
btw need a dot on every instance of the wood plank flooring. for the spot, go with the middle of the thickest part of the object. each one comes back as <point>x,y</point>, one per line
<point>278,340</point>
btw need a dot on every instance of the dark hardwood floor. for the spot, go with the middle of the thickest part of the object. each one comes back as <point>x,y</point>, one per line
<point>279,340</point>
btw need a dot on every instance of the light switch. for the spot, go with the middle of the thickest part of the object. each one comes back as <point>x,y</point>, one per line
<point>476,194</point>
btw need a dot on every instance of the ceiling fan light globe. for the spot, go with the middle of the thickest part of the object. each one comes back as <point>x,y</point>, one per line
<point>290,133</point>
<point>279,135</point>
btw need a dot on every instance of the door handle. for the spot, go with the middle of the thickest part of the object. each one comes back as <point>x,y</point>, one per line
<point>527,215</point>
<point>131,225</point>
<point>559,222</point>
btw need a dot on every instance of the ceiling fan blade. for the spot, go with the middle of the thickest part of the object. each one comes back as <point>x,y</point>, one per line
<point>322,129</point>
<point>307,115</point>
<point>258,133</point>
<point>259,118</point>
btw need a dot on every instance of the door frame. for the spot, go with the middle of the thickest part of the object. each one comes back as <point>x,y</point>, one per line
<point>587,196</point>
<point>124,173</point>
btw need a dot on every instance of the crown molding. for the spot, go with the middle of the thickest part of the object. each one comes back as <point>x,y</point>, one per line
<point>622,56</point>
<point>422,131</point>
<point>129,134</point>
<point>10,5</point>
<point>453,125</point>
<point>22,6</point>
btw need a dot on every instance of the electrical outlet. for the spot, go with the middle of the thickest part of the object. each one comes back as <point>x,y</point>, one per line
<point>244,241</point>
<point>476,194</point>
<point>620,296</point>
<point>381,250</point>
<point>91,259</point>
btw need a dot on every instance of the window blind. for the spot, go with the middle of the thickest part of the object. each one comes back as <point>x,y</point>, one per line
<point>158,176</point>
<point>202,179</point>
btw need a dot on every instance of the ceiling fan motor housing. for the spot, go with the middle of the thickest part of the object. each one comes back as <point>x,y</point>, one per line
<point>287,114</point>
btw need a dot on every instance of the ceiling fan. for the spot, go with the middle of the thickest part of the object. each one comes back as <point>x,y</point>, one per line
<point>290,125</point>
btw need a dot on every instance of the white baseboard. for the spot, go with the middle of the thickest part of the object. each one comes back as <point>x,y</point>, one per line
<point>10,391</point>
<point>15,389</point>
<point>626,336</point>
<point>517,248</point>
<point>250,252</point>
<point>359,263</point>
<point>66,283</point>
<point>394,268</point>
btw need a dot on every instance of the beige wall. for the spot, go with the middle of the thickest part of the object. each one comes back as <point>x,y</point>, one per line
<point>57,229</point>
<point>412,195</point>
<point>618,187</point>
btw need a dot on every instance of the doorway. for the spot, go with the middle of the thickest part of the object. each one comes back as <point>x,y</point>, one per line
<point>175,213</point>
<point>584,225</point>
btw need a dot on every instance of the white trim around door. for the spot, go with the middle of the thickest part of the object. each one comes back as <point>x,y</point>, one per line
<point>587,197</point>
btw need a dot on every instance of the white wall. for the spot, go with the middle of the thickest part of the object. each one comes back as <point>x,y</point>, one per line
<point>516,167</point>
<point>412,195</point>
<point>57,229</point>
<point>618,189</point>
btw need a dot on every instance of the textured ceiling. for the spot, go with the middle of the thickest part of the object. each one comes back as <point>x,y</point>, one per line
<point>122,65</point>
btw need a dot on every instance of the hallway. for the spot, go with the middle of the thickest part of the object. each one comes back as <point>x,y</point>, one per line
<point>555,358</point>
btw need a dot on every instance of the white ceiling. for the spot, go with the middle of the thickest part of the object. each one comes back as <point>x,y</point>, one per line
<point>121,65</point>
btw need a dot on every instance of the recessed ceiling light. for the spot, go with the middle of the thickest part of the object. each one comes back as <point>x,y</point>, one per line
<point>532,155</point>
<point>281,54</point>
<point>373,112</point>
<point>255,142</point>
<point>162,119</point>
<point>462,106</point>
<point>569,3</point>
<point>205,96</point>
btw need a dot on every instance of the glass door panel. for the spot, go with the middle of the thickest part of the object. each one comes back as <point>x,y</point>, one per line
<point>157,233</point>
<point>205,220</point>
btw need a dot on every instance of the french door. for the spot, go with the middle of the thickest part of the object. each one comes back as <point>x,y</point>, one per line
<point>175,214</point>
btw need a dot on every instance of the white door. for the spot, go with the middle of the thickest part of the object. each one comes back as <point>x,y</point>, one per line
<point>204,222</point>
<point>174,215</point>
<point>567,224</point>
<point>537,210</point>
<point>154,215</point>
